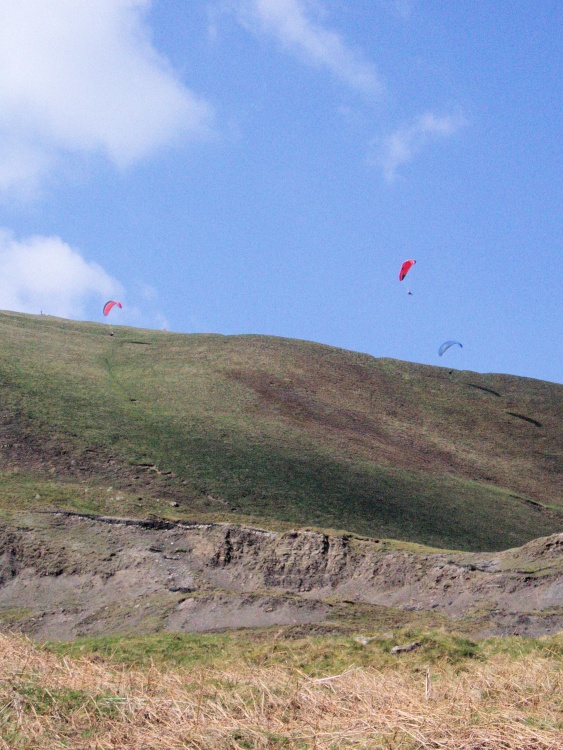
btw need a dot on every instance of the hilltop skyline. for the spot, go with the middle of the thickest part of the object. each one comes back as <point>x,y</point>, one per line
<point>265,166</point>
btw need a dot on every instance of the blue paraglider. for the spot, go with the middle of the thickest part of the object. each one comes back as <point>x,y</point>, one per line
<point>446,345</point>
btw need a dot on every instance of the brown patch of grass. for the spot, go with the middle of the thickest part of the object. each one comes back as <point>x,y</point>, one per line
<point>50,701</point>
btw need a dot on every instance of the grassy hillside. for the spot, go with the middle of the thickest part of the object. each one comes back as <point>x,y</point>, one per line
<point>274,430</point>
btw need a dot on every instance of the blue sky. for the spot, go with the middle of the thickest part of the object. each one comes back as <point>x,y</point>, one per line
<point>265,166</point>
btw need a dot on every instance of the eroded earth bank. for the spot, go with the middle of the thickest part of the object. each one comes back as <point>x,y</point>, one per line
<point>66,575</point>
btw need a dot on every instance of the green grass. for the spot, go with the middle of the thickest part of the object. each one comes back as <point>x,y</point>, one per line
<point>38,700</point>
<point>313,655</point>
<point>268,430</point>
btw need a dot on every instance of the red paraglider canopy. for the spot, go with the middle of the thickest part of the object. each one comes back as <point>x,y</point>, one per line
<point>109,305</point>
<point>405,268</point>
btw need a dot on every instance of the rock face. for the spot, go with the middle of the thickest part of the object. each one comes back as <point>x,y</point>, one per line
<point>65,575</point>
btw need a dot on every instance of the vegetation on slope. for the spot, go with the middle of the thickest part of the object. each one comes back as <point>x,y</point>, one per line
<point>310,693</point>
<point>275,430</point>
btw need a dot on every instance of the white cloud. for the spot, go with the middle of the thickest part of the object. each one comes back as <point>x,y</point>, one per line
<point>409,140</point>
<point>161,321</point>
<point>290,22</point>
<point>83,76</point>
<point>147,292</point>
<point>45,274</point>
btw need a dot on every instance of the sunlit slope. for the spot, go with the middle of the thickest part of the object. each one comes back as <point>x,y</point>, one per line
<point>284,429</point>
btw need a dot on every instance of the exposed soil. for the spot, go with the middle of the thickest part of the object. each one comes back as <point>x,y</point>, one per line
<point>382,419</point>
<point>68,575</point>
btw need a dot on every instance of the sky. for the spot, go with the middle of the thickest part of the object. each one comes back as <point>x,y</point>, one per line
<point>265,166</point>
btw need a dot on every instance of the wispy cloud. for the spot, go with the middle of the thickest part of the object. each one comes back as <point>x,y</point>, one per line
<point>403,145</point>
<point>84,77</point>
<point>45,274</point>
<point>403,8</point>
<point>292,24</point>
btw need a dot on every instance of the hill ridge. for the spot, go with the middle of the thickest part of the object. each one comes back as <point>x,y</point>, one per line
<point>269,429</point>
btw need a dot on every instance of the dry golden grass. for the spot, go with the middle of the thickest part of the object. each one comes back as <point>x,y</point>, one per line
<point>50,702</point>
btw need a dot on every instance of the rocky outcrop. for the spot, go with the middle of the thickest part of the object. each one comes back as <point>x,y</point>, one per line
<point>68,574</point>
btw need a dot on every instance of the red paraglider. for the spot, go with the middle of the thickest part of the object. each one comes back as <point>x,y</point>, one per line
<point>110,305</point>
<point>405,268</point>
